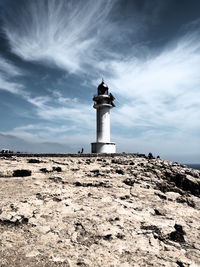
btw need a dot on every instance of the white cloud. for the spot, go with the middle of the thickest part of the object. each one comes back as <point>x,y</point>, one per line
<point>56,109</point>
<point>56,138</point>
<point>11,87</point>
<point>59,98</point>
<point>39,102</point>
<point>79,115</point>
<point>162,91</point>
<point>66,33</point>
<point>9,68</point>
<point>39,132</point>
<point>8,71</point>
<point>174,146</point>
<point>53,107</point>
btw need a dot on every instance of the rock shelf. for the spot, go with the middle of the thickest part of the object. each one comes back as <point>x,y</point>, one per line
<point>98,210</point>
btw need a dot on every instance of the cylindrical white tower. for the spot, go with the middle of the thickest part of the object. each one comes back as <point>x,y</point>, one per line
<point>103,124</point>
<point>103,104</point>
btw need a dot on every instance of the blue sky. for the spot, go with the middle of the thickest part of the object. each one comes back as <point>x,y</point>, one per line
<point>53,55</point>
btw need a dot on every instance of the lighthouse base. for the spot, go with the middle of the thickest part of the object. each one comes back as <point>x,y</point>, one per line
<point>100,147</point>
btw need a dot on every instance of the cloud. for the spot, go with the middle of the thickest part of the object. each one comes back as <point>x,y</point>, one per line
<point>15,143</point>
<point>56,108</point>
<point>11,87</point>
<point>178,147</point>
<point>161,91</point>
<point>53,107</point>
<point>46,132</point>
<point>78,117</point>
<point>8,71</point>
<point>61,99</point>
<point>9,68</point>
<point>65,33</point>
<point>46,138</point>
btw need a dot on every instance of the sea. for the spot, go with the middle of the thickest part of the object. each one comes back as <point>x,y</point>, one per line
<point>193,166</point>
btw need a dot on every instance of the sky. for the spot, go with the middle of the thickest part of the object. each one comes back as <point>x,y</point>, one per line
<point>53,55</point>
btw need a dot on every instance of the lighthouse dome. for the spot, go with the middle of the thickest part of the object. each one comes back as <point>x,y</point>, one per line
<point>102,89</point>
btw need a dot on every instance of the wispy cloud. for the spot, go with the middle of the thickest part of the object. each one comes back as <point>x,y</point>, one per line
<point>9,68</point>
<point>161,91</point>
<point>56,108</point>
<point>46,138</point>
<point>66,33</point>
<point>8,71</point>
<point>61,99</point>
<point>46,132</point>
<point>11,87</point>
<point>53,108</point>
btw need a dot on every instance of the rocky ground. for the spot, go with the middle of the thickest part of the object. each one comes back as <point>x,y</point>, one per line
<point>98,211</point>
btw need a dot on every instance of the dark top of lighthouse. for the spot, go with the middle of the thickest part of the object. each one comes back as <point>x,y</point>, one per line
<point>103,98</point>
<point>102,89</point>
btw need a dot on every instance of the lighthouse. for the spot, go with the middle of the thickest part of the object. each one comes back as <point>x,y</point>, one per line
<point>103,102</point>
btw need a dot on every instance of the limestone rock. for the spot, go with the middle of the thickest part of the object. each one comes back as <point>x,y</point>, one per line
<point>128,210</point>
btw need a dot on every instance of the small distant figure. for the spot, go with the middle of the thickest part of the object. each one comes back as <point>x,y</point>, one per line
<point>150,156</point>
<point>82,150</point>
<point>79,152</point>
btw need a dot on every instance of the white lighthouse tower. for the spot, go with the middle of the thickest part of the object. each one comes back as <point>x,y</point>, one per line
<point>103,103</point>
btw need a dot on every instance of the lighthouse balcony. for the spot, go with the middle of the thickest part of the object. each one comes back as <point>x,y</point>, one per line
<point>101,98</point>
<point>100,105</point>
